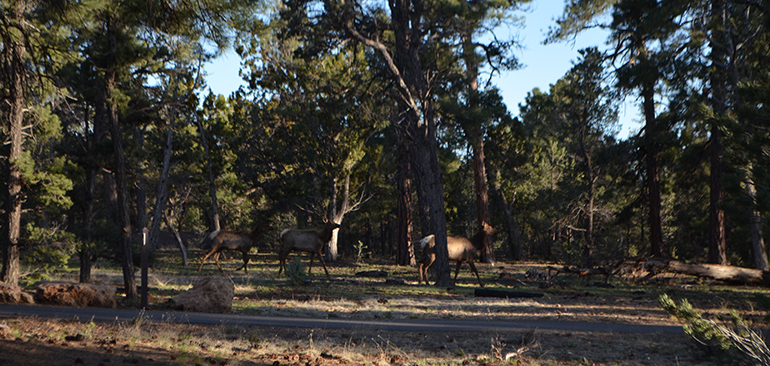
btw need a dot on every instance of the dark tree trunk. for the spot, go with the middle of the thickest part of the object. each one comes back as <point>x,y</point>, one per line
<point>14,64</point>
<point>405,249</point>
<point>717,253</point>
<point>482,194</point>
<point>212,183</point>
<point>161,197</point>
<point>717,241</point>
<point>416,106</point>
<point>515,249</point>
<point>85,247</point>
<point>141,184</point>
<point>179,240</point>
<point>129,281</point>
<point>416,120</point>
<point>653,176</point>
<point>757,241</point>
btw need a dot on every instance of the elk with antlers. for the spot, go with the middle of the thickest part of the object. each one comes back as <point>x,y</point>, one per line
<point>460,250</point>
<point>309,241</point>
<point>241,241</point>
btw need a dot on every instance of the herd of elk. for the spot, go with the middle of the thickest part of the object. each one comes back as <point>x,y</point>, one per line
<point>312,242</point>
<point>241,241</point>
<point>460,250</point>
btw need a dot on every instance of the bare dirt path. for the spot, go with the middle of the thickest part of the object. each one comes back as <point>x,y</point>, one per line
<point>431,325</point>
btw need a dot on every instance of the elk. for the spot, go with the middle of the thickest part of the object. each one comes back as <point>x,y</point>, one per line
<point>460,250</point>
<point>241,241</point>
<point>309,241</point>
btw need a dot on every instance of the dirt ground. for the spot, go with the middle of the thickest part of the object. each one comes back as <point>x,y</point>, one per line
<point>43,342</point>
<point>33,342</point>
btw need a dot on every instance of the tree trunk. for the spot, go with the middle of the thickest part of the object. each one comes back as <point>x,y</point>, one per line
<point>475,138</point>
<point>717,241</point>
<point>515,248</point>
<point>127,263</point>
<point>482,194</point>
<point>405,250</point>
<point>14,64</point>
<point>430,194</point>
<point>337,214</point>
<point>85,246</point>
<point>161,196</point>
<point>416,107</point>
<point>212,183</point>
<point>590,187</point>
<point>141,184</point>
<point>653,175</point>
<point>179,240</point>
<point>757,241</point>
<point>416,120</point>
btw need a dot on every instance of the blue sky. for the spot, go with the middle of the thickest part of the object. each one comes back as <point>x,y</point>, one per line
<point>543,65</point>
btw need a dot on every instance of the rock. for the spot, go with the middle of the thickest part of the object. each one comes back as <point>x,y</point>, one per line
<point>77,294</point>
<point>14,295</point>
<point>208,295</point>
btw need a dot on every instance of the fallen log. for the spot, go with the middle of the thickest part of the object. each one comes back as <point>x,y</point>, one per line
<point>484,292</point>
<point>731,274</point>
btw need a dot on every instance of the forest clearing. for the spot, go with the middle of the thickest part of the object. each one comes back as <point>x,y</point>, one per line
<point>371,135</point>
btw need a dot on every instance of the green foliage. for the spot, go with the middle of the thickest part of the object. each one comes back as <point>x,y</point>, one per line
<point>295,272</point>
<point>702,330</point>
<point>709,332</point>
<point>47,251</point>
<point>360,250</point>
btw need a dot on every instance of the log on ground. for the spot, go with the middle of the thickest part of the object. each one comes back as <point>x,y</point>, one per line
<point>731,274</point>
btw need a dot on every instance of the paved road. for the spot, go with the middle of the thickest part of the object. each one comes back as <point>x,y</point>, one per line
<point>431,325</point>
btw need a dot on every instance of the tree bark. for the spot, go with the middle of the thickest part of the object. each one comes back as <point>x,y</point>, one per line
<point>215,225</point>
<point>161,196</point>
<point>515,248</point>
<point>653,176</point>
<point>405,250</point>
<point>14,64</point>
<point>757,241</point>
<point>717,241</point>
<point>129,280</point>
<point>416,120</point>
<point>179,240</point>
<point>482,194</point>
<point>420,128</point>
<point>85,246</point>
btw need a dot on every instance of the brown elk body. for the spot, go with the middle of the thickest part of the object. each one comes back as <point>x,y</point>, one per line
<point>460,250</point>
<point>241,241</point>
<point>309,241</point>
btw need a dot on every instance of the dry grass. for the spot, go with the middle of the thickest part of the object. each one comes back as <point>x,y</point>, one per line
<point>348,296</point>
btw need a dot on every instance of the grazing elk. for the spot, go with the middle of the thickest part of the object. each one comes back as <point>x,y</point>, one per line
<point>310,241</point>
<point>241,241</point>
<point>460,250</point>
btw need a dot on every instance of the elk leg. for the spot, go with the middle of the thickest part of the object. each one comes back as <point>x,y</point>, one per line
<point>323,263</point>
<point>457,269</point>
<point>282,260</point>
<point>473,267</point>
<point>245,262</point>
<point>216,260</point>
<point>206,257</point>
<point>312,256</point>
<point>424,267</point>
